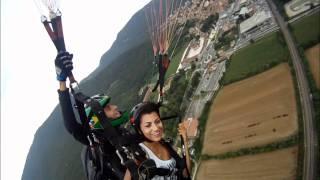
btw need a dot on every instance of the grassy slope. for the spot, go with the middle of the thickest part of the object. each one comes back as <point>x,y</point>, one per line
<point>175,61</point>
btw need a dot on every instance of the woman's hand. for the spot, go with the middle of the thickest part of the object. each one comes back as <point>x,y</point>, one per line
<point>182,131</point>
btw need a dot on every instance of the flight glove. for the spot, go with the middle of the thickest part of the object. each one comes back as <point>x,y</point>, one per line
<point>64,65</point>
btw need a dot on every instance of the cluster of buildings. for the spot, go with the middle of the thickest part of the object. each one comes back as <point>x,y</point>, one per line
<point>199,9</point>
<point>252,15</point>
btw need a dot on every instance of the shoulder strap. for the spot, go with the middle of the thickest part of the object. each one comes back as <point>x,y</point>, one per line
<point>181,162</point>
<point>148,170</point>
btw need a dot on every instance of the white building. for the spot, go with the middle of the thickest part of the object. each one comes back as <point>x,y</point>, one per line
<point>244,11</point>
<point>254,21</point>
<point>296,7</point>
<point>243,3</point>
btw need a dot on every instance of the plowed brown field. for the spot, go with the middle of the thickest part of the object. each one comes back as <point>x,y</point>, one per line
<point>252,112</point>
<point>276,165</point>
<point>313,56</point>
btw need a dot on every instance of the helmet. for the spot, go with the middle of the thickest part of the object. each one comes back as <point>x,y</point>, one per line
<point>136,111</point>
<point>135,116</point>
<point>103,101</point>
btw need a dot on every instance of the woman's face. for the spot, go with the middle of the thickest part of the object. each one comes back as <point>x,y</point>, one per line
<point>151,126</point>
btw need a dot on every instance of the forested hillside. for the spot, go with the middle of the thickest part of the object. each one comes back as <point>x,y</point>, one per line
<point>54,153</point>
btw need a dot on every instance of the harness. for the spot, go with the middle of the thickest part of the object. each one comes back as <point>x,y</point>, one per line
<point>126,149</point>
<point>124,143</point>
<point>148,168</point>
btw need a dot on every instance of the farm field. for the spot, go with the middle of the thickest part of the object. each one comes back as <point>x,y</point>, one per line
<point>256,57</point>
<point>307,30</point>
<point>252,112</point>
<point>313,56</point>
<point>175,61</point>
<point>275,165</point>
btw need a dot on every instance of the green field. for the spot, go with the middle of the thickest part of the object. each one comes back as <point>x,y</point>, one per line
<point>175,61</point>
<point>257,57</point>
<point>307,30</point>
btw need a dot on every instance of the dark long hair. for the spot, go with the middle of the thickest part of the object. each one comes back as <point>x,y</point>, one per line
<point>140,110</point>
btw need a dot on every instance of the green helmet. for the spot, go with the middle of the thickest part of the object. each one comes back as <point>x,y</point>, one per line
<point>103,101</point>
<point>93,119</point>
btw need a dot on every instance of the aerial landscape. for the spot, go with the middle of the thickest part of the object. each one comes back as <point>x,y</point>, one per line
<point>243,79</point>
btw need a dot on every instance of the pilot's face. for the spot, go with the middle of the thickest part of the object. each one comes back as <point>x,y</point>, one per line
<point>112,111</point>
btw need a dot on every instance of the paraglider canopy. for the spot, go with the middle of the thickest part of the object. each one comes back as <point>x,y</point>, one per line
<point>162,22</point>
<point>48,8</point>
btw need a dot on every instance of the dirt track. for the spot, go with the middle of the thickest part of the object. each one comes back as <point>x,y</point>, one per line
<point>256,111</point>
<point>313,56</point>
<point>276,165</point>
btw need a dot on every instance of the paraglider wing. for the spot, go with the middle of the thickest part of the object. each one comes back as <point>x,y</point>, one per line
<point>162,21</point>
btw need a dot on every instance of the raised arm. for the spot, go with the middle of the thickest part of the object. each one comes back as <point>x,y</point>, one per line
<point>64,66</point>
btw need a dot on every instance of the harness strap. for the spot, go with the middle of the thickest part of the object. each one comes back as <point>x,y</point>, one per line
<point>82,114</point>
<point>181,162</point>
<point>148,170</point>
<point>112,135</point>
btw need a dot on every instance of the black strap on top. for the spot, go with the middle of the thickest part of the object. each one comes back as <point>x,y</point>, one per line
<point>82,114</point>
<point>148,170</point>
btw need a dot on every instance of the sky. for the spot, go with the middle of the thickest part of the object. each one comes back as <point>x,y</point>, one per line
<point>28,79</point>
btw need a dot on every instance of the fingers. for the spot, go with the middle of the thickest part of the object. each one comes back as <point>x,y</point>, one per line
<point>62,55</point>
<point>181,126</point>
<point>67,65</point>
<point>64,65</point>
<point>64,58</point>
<point>182,129</point>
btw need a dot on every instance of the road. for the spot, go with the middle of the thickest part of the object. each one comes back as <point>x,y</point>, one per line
<point>208,85</point>
<point>310,136</point>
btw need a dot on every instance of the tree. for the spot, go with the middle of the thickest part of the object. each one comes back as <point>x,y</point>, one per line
<point>195,79</point>
<point>212,19</point>
<point>193,65</point>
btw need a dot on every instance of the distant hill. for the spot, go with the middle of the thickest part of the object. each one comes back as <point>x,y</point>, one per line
<point>123,69</point>
<point>134,33</point>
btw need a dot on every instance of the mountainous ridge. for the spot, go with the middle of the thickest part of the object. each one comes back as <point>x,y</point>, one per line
<point>54,153</point>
